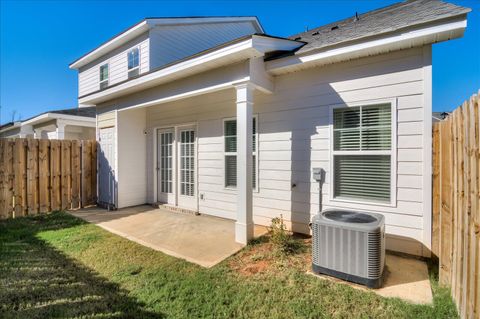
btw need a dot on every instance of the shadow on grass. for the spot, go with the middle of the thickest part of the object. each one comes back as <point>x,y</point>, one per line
<point>38,281</point>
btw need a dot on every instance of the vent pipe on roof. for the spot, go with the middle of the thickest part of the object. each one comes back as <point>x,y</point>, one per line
<point>356,16</point>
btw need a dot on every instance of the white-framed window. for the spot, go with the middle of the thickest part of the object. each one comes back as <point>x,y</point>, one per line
<point>230,152</point>
<point>103,76</point>
<point>133,58</point>
<point>363,153</point>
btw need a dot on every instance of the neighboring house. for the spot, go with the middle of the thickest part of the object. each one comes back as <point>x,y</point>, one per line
<point>215,116</point>
<point>69,124</point>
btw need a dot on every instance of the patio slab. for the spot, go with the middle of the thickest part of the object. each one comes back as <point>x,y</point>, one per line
<point>204,240</point>
<point>405,278</point>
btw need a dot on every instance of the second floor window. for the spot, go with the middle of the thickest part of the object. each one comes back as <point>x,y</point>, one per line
<point>103,76</point>
<point>133,63</point>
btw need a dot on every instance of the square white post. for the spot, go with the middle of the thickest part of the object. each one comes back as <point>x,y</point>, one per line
<point>60,130</point>
<point>37,133</point>
<point>244,225</point>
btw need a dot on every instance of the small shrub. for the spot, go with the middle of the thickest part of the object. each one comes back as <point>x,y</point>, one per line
<point>282,239</point>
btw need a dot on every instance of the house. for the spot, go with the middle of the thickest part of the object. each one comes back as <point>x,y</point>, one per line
<point>213,115</point>
<point>71,124</point>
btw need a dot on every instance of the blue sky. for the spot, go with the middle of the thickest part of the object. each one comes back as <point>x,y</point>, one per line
<point>38,39</point>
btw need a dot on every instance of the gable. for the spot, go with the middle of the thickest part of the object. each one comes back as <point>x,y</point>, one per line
<point>169,43</point>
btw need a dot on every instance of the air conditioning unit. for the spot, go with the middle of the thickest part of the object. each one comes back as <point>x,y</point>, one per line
<point>349,245</point>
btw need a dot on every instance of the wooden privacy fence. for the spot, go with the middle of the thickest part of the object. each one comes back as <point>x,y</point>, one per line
<point>38,176</point>
<point>456,205</point>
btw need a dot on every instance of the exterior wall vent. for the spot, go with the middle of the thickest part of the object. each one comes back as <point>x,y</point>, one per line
<point>349,245</point>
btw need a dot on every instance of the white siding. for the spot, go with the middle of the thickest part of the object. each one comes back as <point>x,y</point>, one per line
<point>106,119</point>
<point>89,75</point>
<point>173,42</point>
<point>131,149</point>
<point>12,133</point>
<point>294,137</point>
<point>79,133</point>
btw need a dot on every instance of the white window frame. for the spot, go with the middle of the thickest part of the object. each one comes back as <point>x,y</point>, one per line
<point>100,74</point>
<point>138,66</point>
<point>392,152</point>
<point>225,154</point>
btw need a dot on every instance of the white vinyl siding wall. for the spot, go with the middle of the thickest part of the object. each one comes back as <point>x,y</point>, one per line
<point>173,42</point>
<point>89,75</point>
<point>294,136</point>
<point>132,150</point>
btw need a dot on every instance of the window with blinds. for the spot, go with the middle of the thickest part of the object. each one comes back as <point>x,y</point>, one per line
<point>362,146</point>
<point>230,153</point>
<point>104,76</point>
<point>133,61</point>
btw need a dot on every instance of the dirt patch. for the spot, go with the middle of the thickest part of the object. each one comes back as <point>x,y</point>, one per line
<point>261,257</point>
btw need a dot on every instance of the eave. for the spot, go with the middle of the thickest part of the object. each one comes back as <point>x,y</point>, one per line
<point>56,116</point>
<point>412,37</point>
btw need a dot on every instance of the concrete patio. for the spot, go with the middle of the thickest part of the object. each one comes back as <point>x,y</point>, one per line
<point>204,240</point>
<point>405,277</point>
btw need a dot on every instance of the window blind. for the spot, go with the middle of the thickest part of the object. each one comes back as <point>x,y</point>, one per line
<point>230,135</point>
<point>362,177</point>
<point>357,130</point>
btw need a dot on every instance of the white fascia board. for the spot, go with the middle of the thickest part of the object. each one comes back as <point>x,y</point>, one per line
<point>268,44</point>
<point>428,35</point>
<point>174,21</point>
<point>163,75</point>
<point>111,45</point>
<point>56,116</point>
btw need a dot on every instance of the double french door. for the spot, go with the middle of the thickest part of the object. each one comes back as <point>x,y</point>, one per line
<point>176,166</point>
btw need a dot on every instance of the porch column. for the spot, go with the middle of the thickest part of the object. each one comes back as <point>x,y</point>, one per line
<point>60,130</point>
<point>25,131</point>
<point>37,133</point>
<point>244,225</point>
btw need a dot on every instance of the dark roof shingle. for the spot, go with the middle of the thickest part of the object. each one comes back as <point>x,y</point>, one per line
<point>78,111</point>
<point>392,18</point>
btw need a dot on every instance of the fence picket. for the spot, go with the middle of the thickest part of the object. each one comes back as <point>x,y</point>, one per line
<point>8,178</point>
<point>44,175</point>
<point>76,174</point>
<point>32,176</point>
<point>87,173</point>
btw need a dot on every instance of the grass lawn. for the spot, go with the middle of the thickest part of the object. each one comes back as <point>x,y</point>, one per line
<point>59,266</point>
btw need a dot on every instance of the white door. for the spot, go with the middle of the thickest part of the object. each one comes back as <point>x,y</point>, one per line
<point>186,172</point>
<point>176,167</point>
<point>106,166</point>
<point>166,166</point>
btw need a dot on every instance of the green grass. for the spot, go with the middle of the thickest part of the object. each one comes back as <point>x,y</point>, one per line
<point>59,266</point>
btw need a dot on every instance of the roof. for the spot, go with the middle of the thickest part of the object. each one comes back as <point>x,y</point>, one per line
<point>77,111</point>
<point>144,25</point>
<point>373,23</point>
<point>9,125</point>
